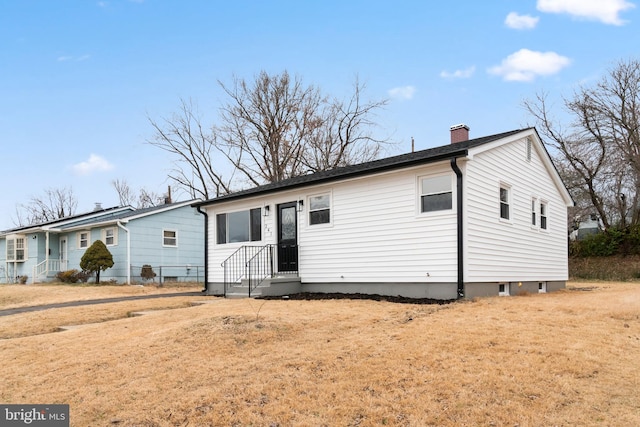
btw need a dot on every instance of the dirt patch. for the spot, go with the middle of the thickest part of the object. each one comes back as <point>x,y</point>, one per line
<point>314,296</point>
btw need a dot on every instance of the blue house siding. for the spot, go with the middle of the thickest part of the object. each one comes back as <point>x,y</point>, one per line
<point>138,239</point>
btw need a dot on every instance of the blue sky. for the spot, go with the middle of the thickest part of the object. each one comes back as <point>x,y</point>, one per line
<point>79,78</point>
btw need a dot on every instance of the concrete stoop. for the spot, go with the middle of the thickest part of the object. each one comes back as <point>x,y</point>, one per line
<point>274,286</point>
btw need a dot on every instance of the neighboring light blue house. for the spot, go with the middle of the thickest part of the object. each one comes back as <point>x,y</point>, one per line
<point>167,237</point>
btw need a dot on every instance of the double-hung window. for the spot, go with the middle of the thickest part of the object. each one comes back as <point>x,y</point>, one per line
<point>109,236</point>
<point>320,209</point>
<point>16,248</point>
<point>534,221</point>
<point>436,194</point>
<point>543,215</point>
<point>83,239</point>
<point>241,226</point>
<point>505,200</point>
<point>169,238</point>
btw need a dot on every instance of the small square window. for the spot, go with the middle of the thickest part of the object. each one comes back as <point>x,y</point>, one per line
<point>542,287</point>
<point>503,289</point>
<point>436,194</point>
<point>320,209</point>
<point>169,238</point>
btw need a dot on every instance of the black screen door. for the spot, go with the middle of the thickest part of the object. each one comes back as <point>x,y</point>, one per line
<point>287,237</point>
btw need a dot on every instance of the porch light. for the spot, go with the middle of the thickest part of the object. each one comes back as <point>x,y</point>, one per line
<point>266,210</point>
<point>300,205</point>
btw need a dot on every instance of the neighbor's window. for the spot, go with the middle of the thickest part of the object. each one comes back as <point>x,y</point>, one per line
<point>436,194</point>
<point>543,215</point>
<point>16,249</point>
<point>505,197</point>
<point>169,238</point>
<point>83,239</point>
<point>241,226</point>
<point>109,236</point>
<point>319,209</point>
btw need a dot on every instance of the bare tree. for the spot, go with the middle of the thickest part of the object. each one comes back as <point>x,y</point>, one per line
<point>195,166</point>
<point>56,203</point>
<point>266,125</point>
<point>144,198</point>
<point>598,153</point>
<point>271,128</point>
<point>345,135</point>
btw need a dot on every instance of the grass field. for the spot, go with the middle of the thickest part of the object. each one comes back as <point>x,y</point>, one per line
<point>566,358</point>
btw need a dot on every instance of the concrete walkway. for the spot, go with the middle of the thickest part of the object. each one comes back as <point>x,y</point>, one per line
<point>17,310</point>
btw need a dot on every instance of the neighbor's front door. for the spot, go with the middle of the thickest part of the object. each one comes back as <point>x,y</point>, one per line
<point>63,254</point>
<point>287,237</point>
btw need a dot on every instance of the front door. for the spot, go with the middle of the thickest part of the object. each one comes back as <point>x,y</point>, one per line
<point>287,238</point>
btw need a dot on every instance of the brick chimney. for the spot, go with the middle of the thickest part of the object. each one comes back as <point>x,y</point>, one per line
<point>459,133</point>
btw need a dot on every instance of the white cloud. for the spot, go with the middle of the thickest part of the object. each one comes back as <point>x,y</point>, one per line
<point>65,58</point>
<point>402,92</point>
<point>459,74</point>
<point>521,22</point>
<point>525,65</point>
<point>95,163</point>
<point>605,11</point>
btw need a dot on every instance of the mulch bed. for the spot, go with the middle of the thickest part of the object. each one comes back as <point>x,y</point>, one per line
<point>311,296</point>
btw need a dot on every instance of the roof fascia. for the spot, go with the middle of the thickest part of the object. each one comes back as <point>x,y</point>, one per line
<point>463,152</point>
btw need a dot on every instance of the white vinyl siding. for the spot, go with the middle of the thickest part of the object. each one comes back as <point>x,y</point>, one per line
<point>513,252</point>
<point>377,233</point>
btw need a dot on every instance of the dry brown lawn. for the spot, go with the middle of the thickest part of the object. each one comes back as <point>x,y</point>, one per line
<point>566,358</point>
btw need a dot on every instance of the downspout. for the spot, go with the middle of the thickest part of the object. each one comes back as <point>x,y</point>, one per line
<point>459,210</point>
<point>128,251</point>
<point>206,249</point>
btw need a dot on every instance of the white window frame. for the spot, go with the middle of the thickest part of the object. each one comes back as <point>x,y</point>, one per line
<point>422,193</point>
<point>508,203</point>
<point>544,215</point>
<point>174,238</point>
<point>505,291</point>
<point>327,208</point>
<point>12,255</point>
<point>114,236</point>
<point>542,287</point>
<point>534,213</point>
<point>80,239</point>
<point>253,235</point>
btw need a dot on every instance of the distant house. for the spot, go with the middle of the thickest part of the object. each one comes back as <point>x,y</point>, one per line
<point>167,236</point>
<point>486,216</point>
<point>586,226</point>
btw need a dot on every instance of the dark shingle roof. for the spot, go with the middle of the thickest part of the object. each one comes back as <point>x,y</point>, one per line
<point>430,155</point>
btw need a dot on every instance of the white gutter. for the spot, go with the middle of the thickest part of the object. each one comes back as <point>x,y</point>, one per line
<point>128,250</point>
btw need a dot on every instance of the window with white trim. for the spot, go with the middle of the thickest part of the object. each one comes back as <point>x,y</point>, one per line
<point>83,239</point>
<point>543,215</point>
<point>542,287</point>
<point>503,289</point>
<point>240,226</point>
<point>505,202</point>
<point>109,236</point>
<point>533,213</point>
<point>16,248</point>
<point>436,194</point>
<point>169,238</point>
<point>320,209</point>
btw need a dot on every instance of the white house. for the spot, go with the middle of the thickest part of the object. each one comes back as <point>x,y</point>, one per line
<point>478,217</point>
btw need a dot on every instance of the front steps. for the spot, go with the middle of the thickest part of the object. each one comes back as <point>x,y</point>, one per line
<point>273,286</point>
